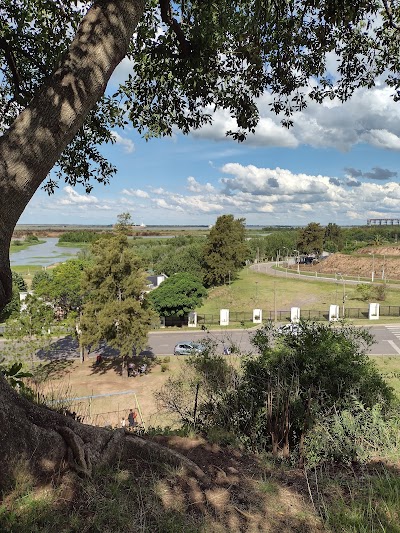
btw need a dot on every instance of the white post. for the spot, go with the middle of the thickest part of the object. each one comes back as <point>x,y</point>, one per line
<point>295,314</point>
<point>257,316</point>
<point>224,317</point>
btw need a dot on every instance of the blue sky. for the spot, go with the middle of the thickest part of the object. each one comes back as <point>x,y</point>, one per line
<point>339,163</point>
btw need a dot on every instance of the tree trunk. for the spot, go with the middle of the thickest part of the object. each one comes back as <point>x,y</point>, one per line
<point>28,151</point>
<point>34,142</point>
<point>43,443</point>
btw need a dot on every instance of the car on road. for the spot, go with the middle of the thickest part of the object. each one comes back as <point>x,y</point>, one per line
<point>188,348</point>
<point>290,329</point>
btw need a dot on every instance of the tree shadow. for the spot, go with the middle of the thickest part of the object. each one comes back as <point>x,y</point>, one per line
<point>51,370</point>
<point>106,358</point>
<point>63,348</point>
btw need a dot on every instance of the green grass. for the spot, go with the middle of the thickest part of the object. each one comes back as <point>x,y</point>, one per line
<point>389,366</point>
<point>364,502</point>
<point>73,244</point>
<point>23,246</point>
<point>256,290</point>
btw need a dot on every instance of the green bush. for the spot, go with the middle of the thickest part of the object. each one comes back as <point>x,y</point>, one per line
<point>164,367</point>
<point>167,359</point>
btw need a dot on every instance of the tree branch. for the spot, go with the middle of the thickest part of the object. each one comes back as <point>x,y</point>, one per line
<point>167,18</point>
<point>388,8</point>
<point>11,64</point>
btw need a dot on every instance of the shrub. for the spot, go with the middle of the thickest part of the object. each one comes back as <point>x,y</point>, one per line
<point>167,359</point>
<point>354,435</point>
<point>164,367</point>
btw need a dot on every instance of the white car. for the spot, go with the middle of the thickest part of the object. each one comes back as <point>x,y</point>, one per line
<point>290,329</point>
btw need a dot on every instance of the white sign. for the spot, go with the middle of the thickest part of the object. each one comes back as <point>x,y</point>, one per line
<point>333,313</point>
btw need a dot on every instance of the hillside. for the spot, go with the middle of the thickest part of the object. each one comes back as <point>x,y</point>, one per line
<point>378,258</point>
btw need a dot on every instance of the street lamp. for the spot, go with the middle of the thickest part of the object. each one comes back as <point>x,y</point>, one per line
<point>298,261</point>
<point>344,290</point>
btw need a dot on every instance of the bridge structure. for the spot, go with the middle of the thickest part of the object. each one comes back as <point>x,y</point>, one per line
<point>383,222</point>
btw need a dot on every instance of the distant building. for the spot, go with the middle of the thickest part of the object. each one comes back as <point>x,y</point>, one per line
<point>155,281</point>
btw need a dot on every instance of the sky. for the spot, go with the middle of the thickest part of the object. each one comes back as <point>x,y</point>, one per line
<point>339,163</point>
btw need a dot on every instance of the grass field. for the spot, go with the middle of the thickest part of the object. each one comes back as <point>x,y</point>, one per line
<point>254,290</point>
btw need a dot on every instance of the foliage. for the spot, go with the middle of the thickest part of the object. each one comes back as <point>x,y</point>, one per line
<point>13,307</point>
<point>354,435</point>
<point>29,331</point>
<point>124,223</point>
<point>310,239</point>
<point>280,243</point>
<point>225,251</point>
<point>368,292</point>
<point>78,236</point>
<point>180,71</point>
<point>19,281</point>
<point>333,238</point>
<point>116,309</point>
<point>194,394</point>
<point>183,258</point>
<point>40,277</point>
<point>178,295</point>
<point>62,285</point>
<point>14,374</point>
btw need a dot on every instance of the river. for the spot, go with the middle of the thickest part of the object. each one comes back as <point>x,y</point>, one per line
<point>44,254</point>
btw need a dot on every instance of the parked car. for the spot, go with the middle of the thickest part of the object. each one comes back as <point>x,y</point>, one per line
<point>187,348</point>
<point>290,329</point>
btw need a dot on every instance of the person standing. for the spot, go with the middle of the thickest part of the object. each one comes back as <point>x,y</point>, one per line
<point>131,419</point>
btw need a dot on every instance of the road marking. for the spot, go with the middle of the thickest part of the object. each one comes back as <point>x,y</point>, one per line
<point>394,346</point>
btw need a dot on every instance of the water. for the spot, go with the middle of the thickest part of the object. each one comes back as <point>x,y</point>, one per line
<point>44,254</point>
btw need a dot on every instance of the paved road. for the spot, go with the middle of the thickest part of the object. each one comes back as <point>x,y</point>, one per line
<point>162,342</point>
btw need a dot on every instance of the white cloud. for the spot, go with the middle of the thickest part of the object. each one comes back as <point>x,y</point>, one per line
<point>138,193</point>
<point>370,116</point>
<point>127,144</point>
<point>74,198</point>
<point>383,139</point>
<point>195,186</point>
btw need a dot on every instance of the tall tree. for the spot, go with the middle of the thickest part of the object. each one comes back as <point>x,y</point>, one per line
<point>225,251</point>
<point>188,57</point>
<point>116,308</point>
<point>333,238</point>
<point>311,239</point>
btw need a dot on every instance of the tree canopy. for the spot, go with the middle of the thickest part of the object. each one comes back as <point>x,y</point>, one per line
<point>115,307</point>
<point>188,59</point>
<point>225,251</point>
<point>178,295</point>
<point>311,239</point>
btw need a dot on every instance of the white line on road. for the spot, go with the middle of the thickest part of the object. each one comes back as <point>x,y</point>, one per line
<point>394,346</point>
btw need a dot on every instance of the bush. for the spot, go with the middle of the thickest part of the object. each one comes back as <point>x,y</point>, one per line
<point>164,367</point>
<point>167,359</point>
<point>354,435</point>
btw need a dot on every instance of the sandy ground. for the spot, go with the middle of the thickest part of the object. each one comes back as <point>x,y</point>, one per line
<point>359,265</point>
<point>83,382</point>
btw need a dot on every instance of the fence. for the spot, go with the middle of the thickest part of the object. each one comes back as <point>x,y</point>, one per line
<point>244,317</point>
<point>94,409</point>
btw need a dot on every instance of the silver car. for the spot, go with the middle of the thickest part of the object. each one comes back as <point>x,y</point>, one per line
<point>187,348</point>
